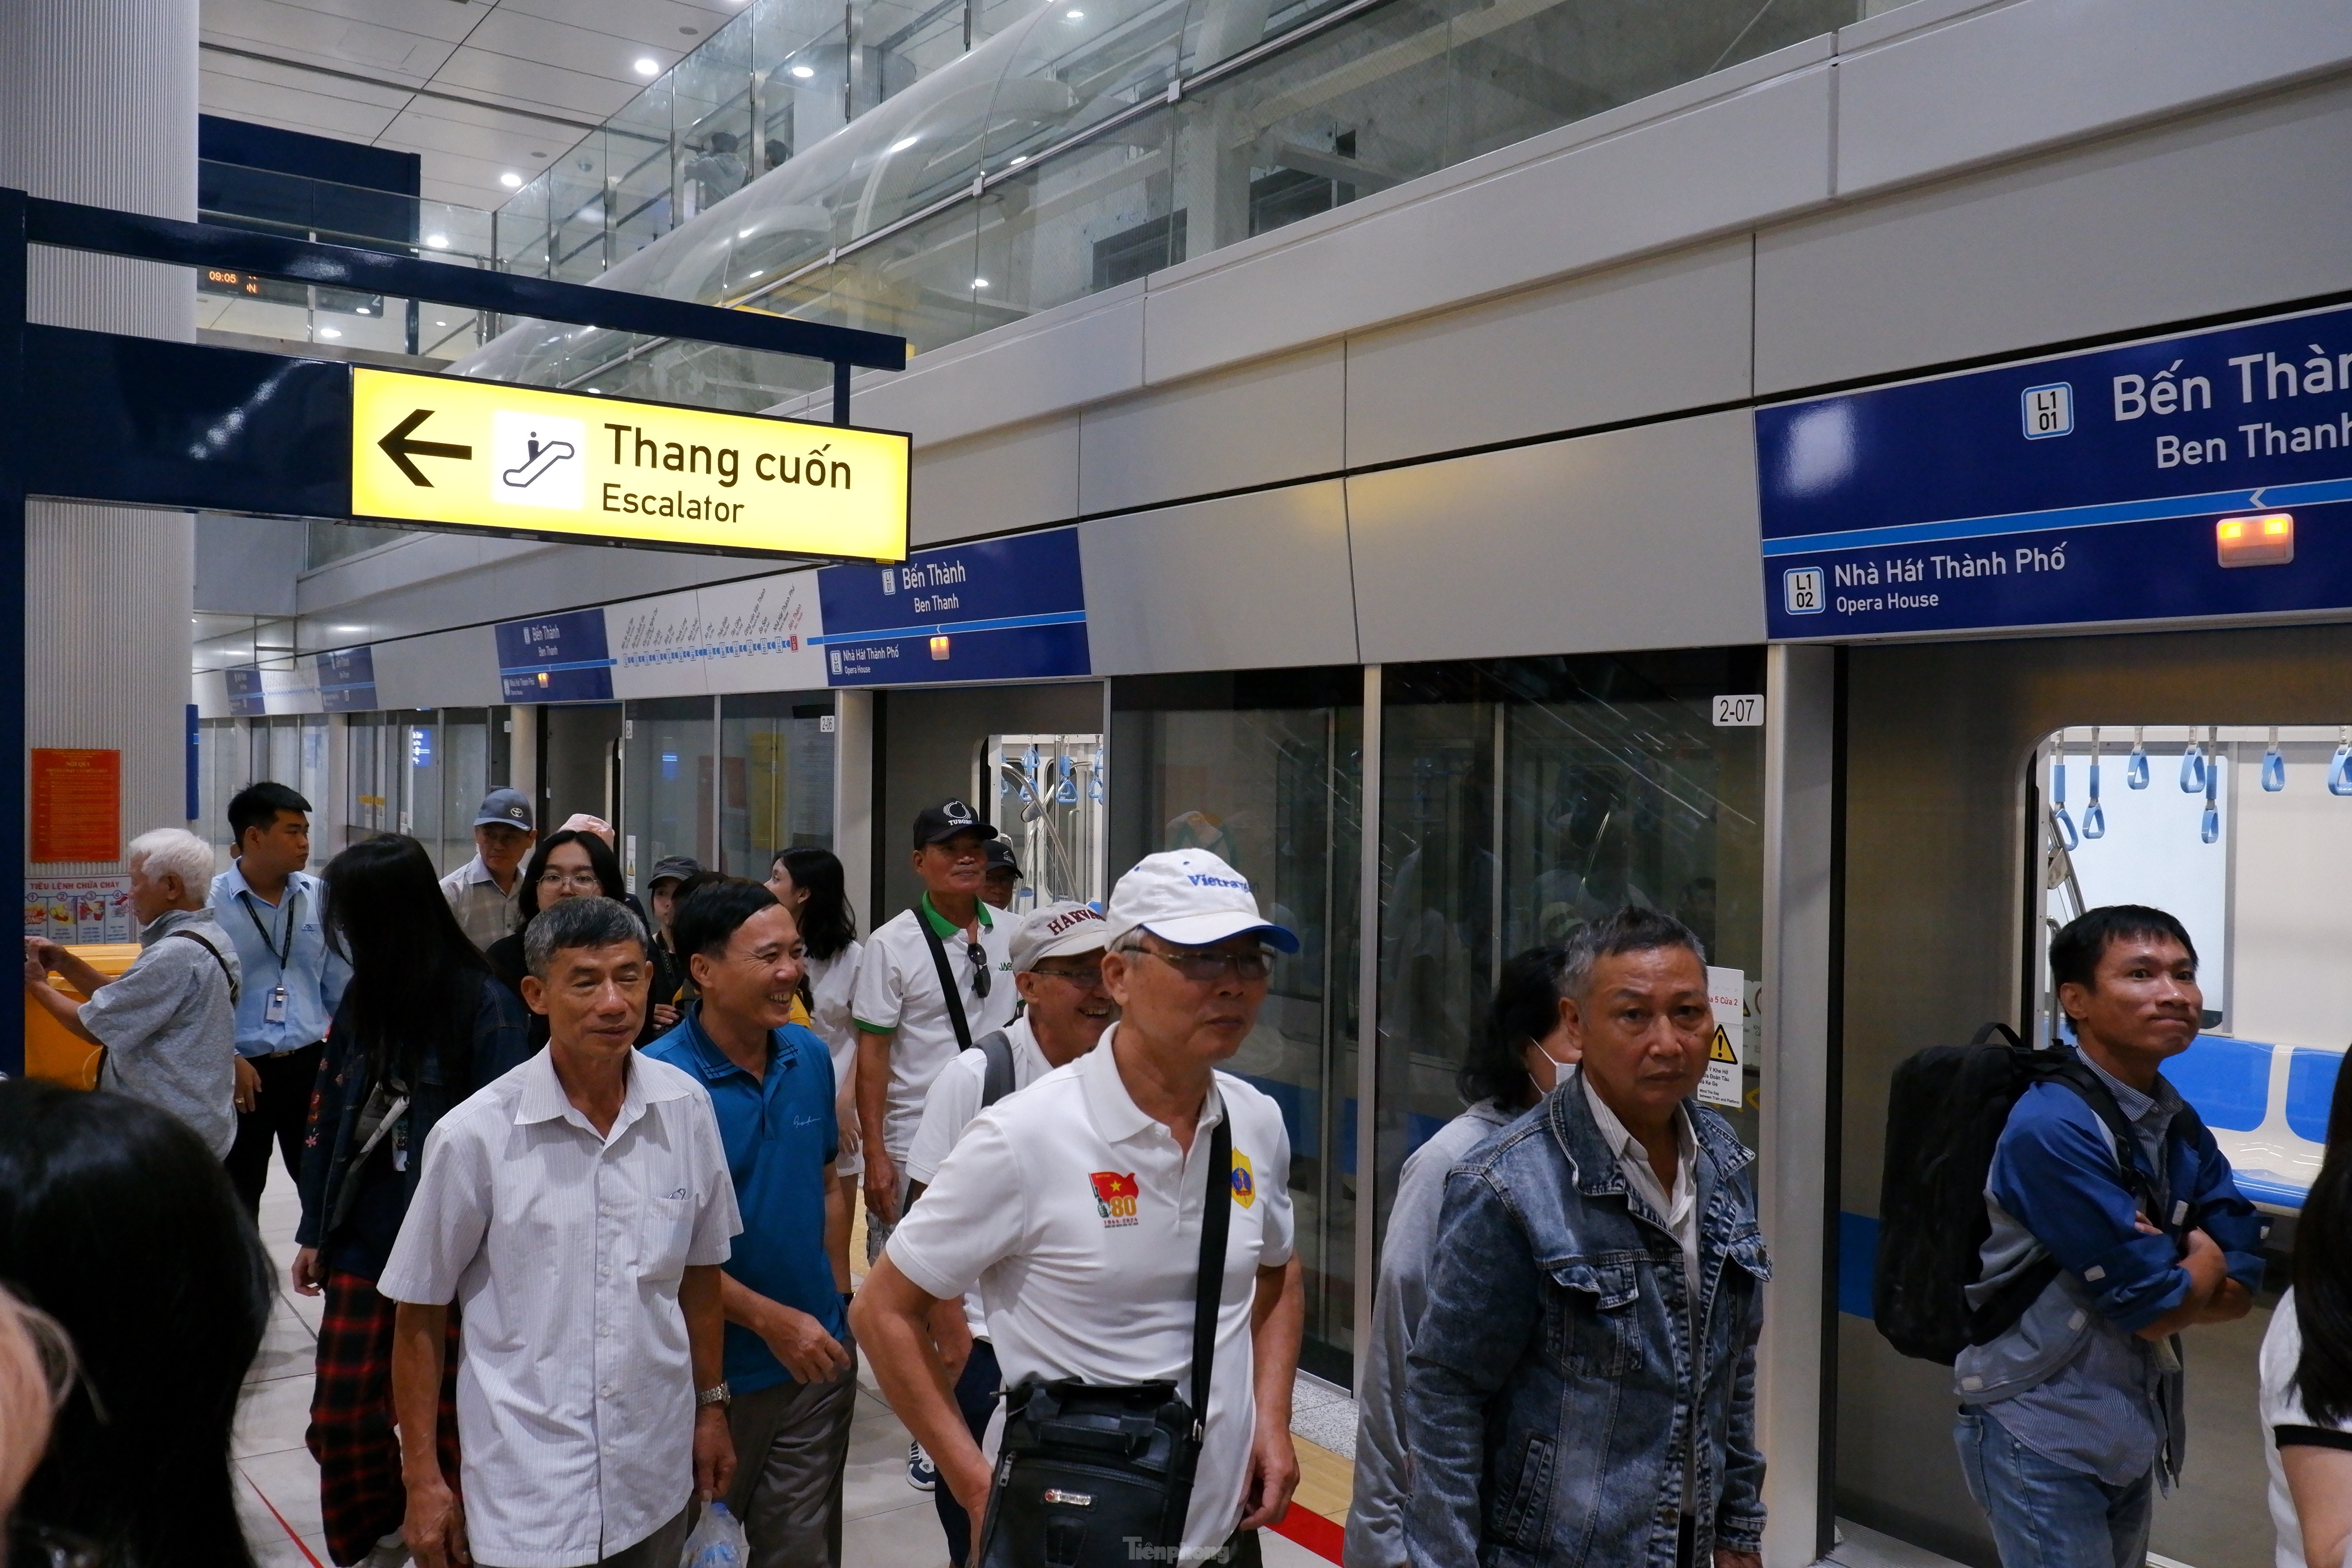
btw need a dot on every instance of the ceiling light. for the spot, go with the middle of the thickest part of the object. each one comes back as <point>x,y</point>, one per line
<point>1075,16</point>
<point>364,309</point>
<point>648,66</point>
<point>980,282</point>
<point>329,333</point>
<point>757,270</point>
<point>510,180</point>
<point>804,72</point>
<point>1022,158</point>
<point>437,241</point>
<point>902,146</point>
<point>440,323</point>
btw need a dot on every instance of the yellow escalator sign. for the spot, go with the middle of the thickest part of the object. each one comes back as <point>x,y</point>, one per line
<point>452,453</point>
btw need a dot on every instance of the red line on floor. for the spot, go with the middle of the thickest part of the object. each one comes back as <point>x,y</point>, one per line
<point>1312,1531</point>
<point>299,1545</point>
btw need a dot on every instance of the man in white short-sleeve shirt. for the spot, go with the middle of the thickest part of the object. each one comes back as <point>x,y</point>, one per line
<point>906,1033</point>
<point>1058,957</point>
<point>1076,1206</point>
<point>577,1210</point>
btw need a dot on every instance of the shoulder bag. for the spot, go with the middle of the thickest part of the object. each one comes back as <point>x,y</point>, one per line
<point>1095,1477</point>
<point>948,987</point>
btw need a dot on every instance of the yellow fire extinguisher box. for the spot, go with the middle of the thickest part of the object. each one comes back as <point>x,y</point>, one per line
<point>56,1053</point>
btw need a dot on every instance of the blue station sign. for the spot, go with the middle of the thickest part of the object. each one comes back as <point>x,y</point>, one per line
<point>2204,474</point>
<point>995,609</point>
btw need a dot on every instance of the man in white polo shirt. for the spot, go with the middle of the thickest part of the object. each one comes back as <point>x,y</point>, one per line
<point>1057,957</point>
<point>1076,1206</point>
<point>906,1031</point>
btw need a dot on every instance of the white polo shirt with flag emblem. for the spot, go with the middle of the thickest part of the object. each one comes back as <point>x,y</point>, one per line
<point>1079,1219</point>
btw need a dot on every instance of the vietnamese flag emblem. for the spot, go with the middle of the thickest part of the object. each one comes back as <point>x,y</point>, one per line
<point>1115,1196</point>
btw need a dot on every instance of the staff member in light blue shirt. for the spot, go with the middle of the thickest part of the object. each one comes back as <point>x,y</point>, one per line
<point>293,982</point>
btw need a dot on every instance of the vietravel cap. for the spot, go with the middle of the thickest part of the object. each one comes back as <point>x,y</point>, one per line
<point>673,869</point>
<point>1052,931</point>
<point>506,807</point>
<point>1000,853</point>
<point>937,824</point>
<point>1192,899</point>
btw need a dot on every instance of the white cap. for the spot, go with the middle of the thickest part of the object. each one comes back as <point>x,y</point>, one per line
<point>1192,899</point>
<point>1053,931</point>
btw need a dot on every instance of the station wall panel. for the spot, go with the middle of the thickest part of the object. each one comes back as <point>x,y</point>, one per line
<point>1060,359</point>
<point>1639,342</point>
<point>1260,424</point>
<point>2002,80</point>
<point>1253,582</point>
<point>2231,210</point>
<point>1632,539</point>
<point>449,670</point>
<point>1009,479</point>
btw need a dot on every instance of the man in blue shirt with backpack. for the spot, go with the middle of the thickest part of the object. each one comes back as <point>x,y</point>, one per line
<point>2116,1222</point>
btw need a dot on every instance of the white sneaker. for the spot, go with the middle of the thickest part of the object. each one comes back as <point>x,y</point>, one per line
<point>921,1474</point>
<point>389,1552</point>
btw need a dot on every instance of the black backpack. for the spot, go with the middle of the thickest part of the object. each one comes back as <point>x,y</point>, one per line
<point>1944,1112</point>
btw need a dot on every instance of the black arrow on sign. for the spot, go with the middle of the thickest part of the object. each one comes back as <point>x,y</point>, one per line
<point>400,448</point>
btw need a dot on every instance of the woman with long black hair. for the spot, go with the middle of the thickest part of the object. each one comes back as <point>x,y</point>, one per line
<point>2306,1365</point>
<point>119,1223</point>
<point>1512,1064</point>
<point>422,1024</point>
<point>576,863</point>
<point>809,882</point>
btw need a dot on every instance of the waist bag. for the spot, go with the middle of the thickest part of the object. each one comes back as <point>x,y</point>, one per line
<point>1091,1476</point>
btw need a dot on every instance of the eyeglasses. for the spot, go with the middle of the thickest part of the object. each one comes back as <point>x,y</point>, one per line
<point>1203,966</point>
<point>587,881</point>
<point>1090,976</point>
<point>979,956</point>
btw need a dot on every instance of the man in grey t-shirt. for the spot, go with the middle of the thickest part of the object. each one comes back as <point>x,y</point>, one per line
<point>168,1022</point>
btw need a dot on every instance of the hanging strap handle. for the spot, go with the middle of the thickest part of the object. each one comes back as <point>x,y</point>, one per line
<point>1216,1218</point>
<point>947,979</point>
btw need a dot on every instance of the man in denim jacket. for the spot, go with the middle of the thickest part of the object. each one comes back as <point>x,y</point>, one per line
<point>1582,1387</point>
<point>2066,1417</point>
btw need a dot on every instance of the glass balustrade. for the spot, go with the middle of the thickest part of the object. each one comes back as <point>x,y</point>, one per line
<point>1051,160</point>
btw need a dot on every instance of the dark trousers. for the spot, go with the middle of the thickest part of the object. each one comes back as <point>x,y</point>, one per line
<point>792,1442</point>
<point>280,1112</point>
<point>975,1394</point>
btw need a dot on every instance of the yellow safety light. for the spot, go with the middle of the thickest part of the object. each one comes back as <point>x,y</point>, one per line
<point>2264,540</point>
<point>939,648</point>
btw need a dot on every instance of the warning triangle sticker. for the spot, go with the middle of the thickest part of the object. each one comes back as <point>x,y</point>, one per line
<point>1720,1050</point>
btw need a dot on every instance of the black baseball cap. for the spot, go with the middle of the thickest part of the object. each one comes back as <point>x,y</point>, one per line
<point>673,869</point>
<point>938,824</point>
<point>1000,857</point>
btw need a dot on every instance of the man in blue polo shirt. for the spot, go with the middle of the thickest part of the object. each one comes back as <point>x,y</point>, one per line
<point>792,1368</point>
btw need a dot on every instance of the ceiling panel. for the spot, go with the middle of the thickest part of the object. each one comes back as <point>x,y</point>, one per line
<point>455,81</point>
<point>301,33</point>
<point>509,78</point>
<point>571,47</point>
<point>640,21</point>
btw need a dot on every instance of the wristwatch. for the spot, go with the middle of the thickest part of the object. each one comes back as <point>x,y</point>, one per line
<point>716,1394</point>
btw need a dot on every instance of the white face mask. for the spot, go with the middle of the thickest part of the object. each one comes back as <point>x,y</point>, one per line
<point>1543,1066</point>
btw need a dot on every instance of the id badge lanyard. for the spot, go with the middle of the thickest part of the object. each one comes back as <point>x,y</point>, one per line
<point>273,1010</point>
